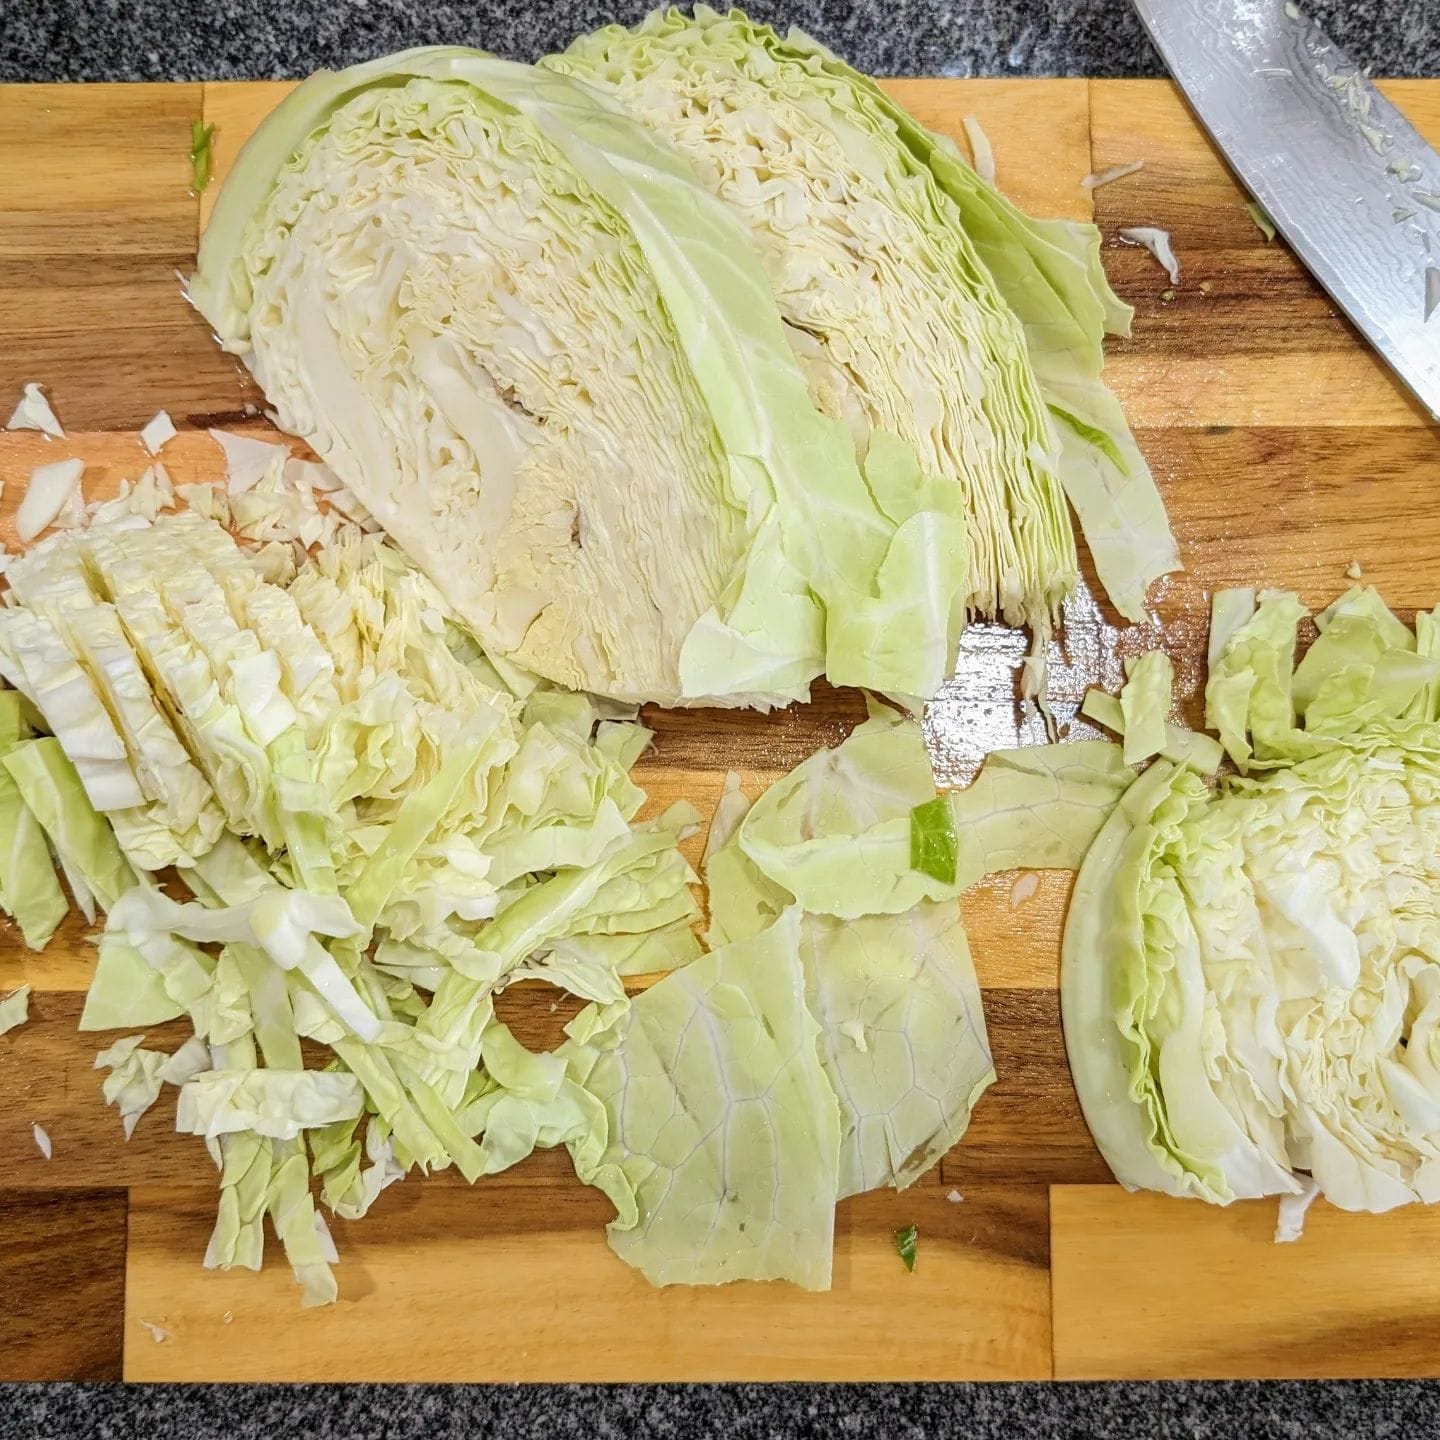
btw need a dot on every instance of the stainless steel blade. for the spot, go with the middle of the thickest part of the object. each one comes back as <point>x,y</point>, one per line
<point>1345,177</point>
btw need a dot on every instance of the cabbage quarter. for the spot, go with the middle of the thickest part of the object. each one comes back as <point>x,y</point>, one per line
<point>545,358</point>
<point>917,298</point>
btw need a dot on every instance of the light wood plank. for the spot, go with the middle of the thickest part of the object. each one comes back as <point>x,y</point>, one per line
<point>65,964</point>
<point>62,1311</point>
<point>235,108</point>
<point>507,1285</point>
<point>1150,1287</point>
<point>1042,151</point>
<point>97,169</point>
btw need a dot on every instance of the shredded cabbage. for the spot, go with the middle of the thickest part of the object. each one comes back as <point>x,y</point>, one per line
<point>378,831</point>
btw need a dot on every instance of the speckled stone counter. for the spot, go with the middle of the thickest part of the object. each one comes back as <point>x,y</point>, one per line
<point>1201,1411</point>
<point>254,39</point>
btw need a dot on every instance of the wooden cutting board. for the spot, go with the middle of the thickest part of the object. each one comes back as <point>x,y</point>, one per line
<point>1285,452</point>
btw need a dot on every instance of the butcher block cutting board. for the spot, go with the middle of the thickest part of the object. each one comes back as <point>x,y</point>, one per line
<point>1285,452</point>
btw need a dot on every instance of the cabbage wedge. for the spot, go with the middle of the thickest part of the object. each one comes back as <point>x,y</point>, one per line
<point>920,302</point>
<point>546,360</point>
<point>1251,972</point>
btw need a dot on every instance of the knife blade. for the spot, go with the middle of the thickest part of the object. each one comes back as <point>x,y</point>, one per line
<point>1347,180</point>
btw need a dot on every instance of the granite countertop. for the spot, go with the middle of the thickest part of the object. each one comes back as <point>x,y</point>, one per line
<point>254,39</point>
<point>151,40</point>
<point>1375,1410</point>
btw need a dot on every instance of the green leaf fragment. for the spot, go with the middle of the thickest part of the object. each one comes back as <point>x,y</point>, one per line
<point>202,140</point>
<point>934,846</point>
<point>907,1240</point>
<point>741,1181</point>
<point>836,833</point>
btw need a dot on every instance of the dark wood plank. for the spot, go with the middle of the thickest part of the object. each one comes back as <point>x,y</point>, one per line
<point>116,377</point>
<point>1028,1127</point>
<point>62,1306</point>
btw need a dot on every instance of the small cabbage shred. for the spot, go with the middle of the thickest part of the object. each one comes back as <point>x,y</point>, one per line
<point>919,301</point>
<point>1251,970</point>
<point>546,360</point>
<point>15,1009</point>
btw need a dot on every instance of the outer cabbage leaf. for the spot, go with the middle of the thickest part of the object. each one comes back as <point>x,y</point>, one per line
<point>29,889</point>
<point>902,1032</point>
<point>52,790</point>
<point>722,1140</point>
<point>902,1037</point>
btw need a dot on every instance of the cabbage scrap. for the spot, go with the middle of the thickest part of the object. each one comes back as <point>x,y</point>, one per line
<point>33,412</point>
<point>15,1009</point>
<point>1037,808</point>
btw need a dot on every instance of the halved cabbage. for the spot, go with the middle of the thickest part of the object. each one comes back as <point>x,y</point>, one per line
<point>544,357</point>
<point>1251,973</point>
<point>920,302</point>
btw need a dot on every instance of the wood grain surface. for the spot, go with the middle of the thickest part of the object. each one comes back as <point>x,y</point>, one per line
<point>1285,452</point>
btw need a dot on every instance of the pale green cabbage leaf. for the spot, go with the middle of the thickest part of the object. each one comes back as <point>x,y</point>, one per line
<point>721,1139</point>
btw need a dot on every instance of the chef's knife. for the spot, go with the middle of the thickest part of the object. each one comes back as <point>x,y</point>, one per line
<point>1345,177</point>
